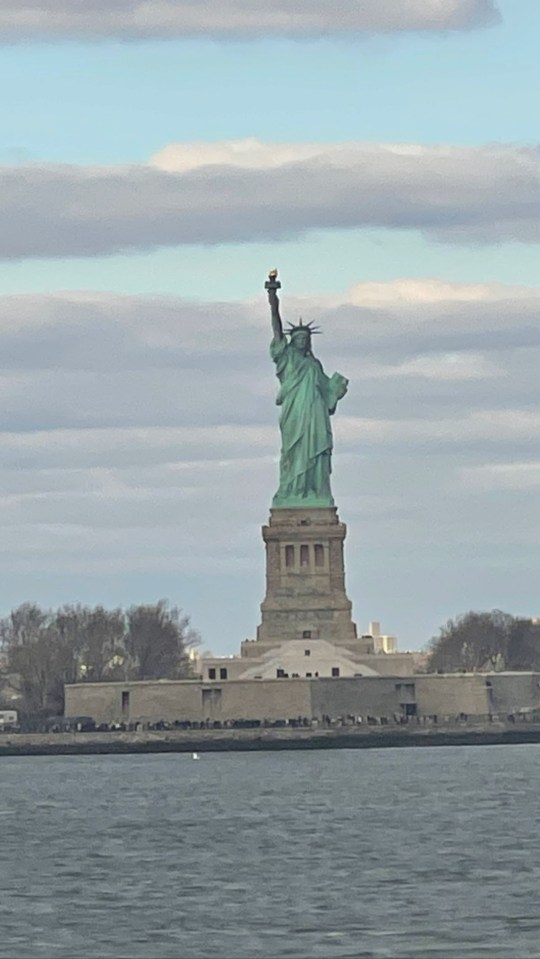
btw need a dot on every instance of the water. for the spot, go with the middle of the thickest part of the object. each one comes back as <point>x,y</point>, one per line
<point>390,854</point>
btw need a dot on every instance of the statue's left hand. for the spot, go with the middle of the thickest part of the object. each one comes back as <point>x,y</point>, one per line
<point>340,384</point>
<point>337,388</point>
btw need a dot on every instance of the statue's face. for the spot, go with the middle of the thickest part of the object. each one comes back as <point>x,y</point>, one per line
<point>301,340</point>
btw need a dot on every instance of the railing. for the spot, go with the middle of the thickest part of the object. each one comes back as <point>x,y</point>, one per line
<point>528,717</point>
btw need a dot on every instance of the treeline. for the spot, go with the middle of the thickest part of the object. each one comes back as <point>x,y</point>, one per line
<point>478,641</point>
<point>41,650</point>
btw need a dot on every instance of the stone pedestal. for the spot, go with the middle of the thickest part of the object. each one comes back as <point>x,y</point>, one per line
<point>305,581</point>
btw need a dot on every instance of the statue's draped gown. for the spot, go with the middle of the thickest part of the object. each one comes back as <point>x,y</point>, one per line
<point>307,398</point>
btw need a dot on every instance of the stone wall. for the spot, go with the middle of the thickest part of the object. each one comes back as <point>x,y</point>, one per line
<point>167,701</point>
<point>390,664</point>
<point>357,697</point>
<point>510,692</point>
<point>271,699</point>
<point>450,695</point>
<point>123,702</point>
<point>189,700</point>
<point>196,701</point>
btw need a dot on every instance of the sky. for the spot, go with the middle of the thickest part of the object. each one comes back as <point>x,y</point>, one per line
<point>157,158</point>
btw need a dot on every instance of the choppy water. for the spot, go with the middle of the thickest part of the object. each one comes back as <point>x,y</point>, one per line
<point>388,855</point>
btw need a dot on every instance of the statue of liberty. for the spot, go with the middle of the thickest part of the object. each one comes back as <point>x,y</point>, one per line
<point>308,398</point>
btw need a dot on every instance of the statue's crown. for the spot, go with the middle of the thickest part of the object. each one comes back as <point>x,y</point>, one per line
<point>294,327</point>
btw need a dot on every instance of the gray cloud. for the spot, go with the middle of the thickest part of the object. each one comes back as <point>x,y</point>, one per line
<point>136,19</point>
<point>108,333</point>
<point>427,360</point>
<point>139,438</point>
<point>453,194</point>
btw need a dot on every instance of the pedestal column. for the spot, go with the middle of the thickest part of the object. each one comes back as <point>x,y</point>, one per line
<point>305,578</point>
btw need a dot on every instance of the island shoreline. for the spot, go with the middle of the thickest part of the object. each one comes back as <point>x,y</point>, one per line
<point>251,740</point>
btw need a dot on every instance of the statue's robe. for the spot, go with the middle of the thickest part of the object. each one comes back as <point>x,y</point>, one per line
<point>307,397</point>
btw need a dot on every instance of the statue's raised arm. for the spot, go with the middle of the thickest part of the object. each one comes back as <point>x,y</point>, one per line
<point>272,285</point>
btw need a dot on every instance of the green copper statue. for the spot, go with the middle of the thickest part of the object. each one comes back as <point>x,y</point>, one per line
<point>308,398</point>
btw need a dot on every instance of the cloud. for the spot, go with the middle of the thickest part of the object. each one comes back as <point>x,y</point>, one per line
<point>248,191</point>
<point>447,366</point>
<point>431,291</point>
<point>399,322</point>
<point>103,380</point>
<point>502,476</point>
<point>140,438</point>
<point>139,19</point>
<point>489,425</point>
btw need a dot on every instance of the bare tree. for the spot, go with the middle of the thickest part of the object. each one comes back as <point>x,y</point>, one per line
<point>473,641</point>
<point>158,641</point>
<point>22,626</point>
<point>98,638</point>
<point>40,660</point>
<point>43,650</point>
<point>524,645</point>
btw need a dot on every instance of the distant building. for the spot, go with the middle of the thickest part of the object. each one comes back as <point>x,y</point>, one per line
<point>308,658</point>
<point>381,642</point>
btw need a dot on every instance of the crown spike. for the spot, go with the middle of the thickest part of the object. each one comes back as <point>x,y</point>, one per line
<point>307,328</point>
